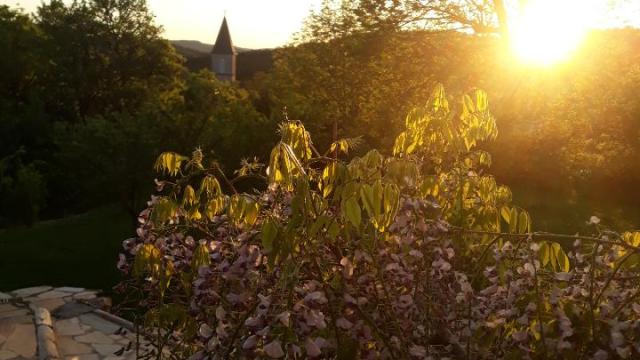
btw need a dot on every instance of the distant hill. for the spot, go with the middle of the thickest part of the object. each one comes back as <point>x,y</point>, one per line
<point>249,61</point>
<point>195,46</point>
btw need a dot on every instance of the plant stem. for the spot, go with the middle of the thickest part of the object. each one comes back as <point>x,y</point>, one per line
<point>550,236</point>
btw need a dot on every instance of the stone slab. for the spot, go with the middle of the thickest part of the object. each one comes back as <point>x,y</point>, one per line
<point>69,289</point>
<point>23,319</point>
<point>125,324</point>
<point>53,294</point>
<point>71,310</point>
<point>49,304</point>
<point>94,337</point>
<point>6,355</point>
<point>22,341</point>
<point>15,313</point>
<point>6,327</point>
<point>107,349</point>
<point>30,291</point>
<point>85,295</point>
<point>98,323</point>
<point>7,307</point>
<point>68,327</point>
<point>68,346</point>
<point>83,357</point>
<point>4,296</point>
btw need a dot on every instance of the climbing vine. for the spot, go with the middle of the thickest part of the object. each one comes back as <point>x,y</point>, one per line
<point>420,254</point>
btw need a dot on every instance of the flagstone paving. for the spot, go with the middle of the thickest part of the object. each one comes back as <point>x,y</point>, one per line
<point>75,329</point>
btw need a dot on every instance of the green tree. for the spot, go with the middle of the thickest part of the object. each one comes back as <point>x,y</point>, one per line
<point>218,116</point>
<point>22,190</point>
<point>25,136</point>
<point>104,56</point>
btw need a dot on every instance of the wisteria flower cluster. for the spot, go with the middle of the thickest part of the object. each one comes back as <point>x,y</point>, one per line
<point>417,255</point>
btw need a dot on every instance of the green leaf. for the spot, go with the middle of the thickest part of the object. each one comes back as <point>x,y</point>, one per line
<point>631,238</point>
<point>269,233</point>
<point>482,102</point>
<point>467,105</point>
<point>367,198</point>
<point>524,225</point>
<point>430,186</point>
<point>545,253</point>
<point>243,210</point>
<point>390,204</point>
<point>438,99</point>
<point>164,210</point>
<point>210,186</point>
<point>252,210</point>
<point>535,329</point>
<point>506,214</point>
<point>170,163</point>
<point>561,258</point>
<point>293,158</point>
<point>513,217</point>
<point>333,230</point>
<point>352,212</point>
<point>215,206</point>
<point>200,257</point>
<point>378,190</point>
<point>328,178</point>
<point>317,225</point>
<point>147,261</point>
<point>189,196</point>
<point>552,254</point>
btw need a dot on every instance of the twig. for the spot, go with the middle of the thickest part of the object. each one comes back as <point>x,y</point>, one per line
<point>549,235</point>
<point>224,177</point>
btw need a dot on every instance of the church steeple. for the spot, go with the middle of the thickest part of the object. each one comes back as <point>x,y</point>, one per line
<point>223,54</point>
<point>224,45</point>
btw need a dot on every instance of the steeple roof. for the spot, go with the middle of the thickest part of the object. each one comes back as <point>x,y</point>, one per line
<point>223,44</point>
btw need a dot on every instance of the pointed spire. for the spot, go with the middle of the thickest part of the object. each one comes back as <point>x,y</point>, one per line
<point>223,45</point>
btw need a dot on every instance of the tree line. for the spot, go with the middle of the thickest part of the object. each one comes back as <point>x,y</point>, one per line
<point>91,92</point>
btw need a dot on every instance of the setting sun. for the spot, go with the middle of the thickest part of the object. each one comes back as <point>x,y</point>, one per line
<point>548,31</point>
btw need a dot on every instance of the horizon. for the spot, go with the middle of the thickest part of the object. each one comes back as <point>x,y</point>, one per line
<point>258,24</point>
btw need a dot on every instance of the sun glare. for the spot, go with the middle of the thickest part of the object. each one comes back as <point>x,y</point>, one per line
<point>548,31</point>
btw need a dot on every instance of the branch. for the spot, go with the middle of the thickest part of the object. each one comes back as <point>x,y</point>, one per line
<point>534,235</point>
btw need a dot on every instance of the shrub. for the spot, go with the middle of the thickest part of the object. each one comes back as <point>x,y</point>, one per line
<point>22,190</point>
<point>415,255</point>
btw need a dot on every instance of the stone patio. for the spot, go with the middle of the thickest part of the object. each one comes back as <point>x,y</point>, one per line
<point>62,323</point>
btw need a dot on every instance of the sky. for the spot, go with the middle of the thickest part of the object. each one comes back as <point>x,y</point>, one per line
<point>253,23</point>
<point>270,23</point>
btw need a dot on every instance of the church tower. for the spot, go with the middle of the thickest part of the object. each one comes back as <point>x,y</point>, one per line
<point>223,55</point>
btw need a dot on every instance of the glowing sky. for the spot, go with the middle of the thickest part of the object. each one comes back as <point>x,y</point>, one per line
<point>253,23</point>
<point>270,23</point>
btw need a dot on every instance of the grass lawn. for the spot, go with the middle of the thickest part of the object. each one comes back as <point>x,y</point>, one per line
<point>80,250</point>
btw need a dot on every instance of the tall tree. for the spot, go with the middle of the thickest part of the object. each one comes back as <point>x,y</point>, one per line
<point>104,55</point>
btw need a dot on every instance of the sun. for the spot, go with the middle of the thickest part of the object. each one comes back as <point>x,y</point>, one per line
<point>549,31</point>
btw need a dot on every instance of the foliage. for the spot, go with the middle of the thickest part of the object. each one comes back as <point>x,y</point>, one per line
<point>415,255</point>
<point>582,113</point>
<point>478,16</point>
<point>22,190</point>
<point>70,64</point>
<point>206,112</point>
<point>92,88</point>
<point>104,56</point>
